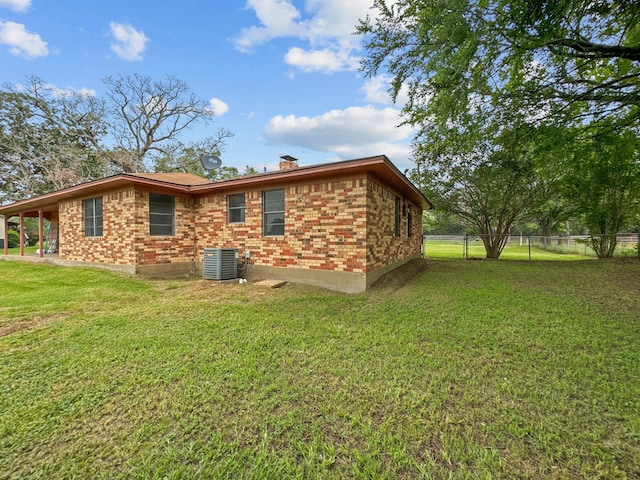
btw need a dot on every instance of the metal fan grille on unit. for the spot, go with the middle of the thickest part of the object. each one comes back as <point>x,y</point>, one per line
<point>220,263</point>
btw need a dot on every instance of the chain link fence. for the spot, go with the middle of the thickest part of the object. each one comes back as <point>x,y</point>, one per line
<point>524,247</point>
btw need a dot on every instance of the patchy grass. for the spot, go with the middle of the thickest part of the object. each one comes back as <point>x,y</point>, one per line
<point>469,370</point>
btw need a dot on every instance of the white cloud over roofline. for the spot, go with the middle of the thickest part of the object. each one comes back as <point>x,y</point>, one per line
<point>349,133</point>
<point>129,43</point>
<point>21,42</point>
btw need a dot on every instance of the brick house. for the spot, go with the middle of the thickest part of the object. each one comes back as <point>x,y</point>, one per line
<point>339,225</point>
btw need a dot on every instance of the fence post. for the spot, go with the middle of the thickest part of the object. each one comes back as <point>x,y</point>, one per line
<point>529,243</point>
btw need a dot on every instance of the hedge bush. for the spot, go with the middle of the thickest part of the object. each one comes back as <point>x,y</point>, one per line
<point>13,238</point>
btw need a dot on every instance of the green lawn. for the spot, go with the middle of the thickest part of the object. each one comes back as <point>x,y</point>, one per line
<point>471,370</point>
<point>16,251</point>
<point>513,251</point>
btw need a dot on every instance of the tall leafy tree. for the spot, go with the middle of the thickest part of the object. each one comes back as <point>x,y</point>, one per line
<point>569,60</point>
<point>49,139</point>
<point>475,70</point>
<point>602,183</point>
<point>52,138</point>
<point>490,182</point>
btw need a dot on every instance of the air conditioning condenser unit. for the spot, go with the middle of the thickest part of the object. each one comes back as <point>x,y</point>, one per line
<point>220,263</point>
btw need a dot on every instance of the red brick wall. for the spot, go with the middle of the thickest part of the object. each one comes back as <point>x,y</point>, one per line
<point>344,226</point>
<point>178,248</point>
<point>325,225</point>
<point>126,239</point>
<point>115,246</point>
<point>383,246</point>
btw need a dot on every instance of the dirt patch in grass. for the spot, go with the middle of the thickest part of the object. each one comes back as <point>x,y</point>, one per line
<point>210,291</point>
<point>35,322</point>
<point>401,276</point>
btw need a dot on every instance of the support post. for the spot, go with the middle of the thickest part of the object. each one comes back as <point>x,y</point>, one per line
<point>22,234</point>
<point>40,233</point>
<point>6,235</point>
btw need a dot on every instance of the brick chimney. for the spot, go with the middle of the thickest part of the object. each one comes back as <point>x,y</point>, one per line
<point>288,162</point>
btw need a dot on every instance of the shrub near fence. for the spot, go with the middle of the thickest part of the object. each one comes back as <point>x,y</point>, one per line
<point>525,247</point>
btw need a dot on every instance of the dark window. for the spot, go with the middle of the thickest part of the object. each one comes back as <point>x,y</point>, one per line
<point>273,212</point>
<point>93,217</point>
<point>161,214</point>
<point>409,221</point>
<point>235,208</point>
<point>396,226</point>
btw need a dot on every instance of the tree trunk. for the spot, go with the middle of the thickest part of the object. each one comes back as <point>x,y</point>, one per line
<point>604,245</point>
<point>494,243</point>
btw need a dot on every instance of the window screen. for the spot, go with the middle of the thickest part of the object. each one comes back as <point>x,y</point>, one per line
<point>161,214</point>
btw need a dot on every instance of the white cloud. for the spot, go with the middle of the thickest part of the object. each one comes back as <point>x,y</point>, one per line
<point>324,60</point>
<point>336,18</point>
<point>21,42</point>
<point>325,26</point>
<point>278,18</point>
<point>218,106</point>
<point>16,5</point>
<point>68,92</point>
<point>129,42</point>
<point>58,92</point>
<point>349,133</point>
<point>376,90</point>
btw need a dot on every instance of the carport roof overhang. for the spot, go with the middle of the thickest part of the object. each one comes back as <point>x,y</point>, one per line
<point>50,201</point>
<point>379,167</point>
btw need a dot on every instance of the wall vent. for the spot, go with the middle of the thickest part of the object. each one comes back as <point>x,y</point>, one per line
<point>220,263</point>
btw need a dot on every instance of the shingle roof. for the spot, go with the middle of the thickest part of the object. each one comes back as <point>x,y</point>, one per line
<point>177,178</point>
<point>189,184</point>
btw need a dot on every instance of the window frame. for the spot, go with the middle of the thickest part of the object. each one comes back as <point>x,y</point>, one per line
<point>95,227</point>
<point>234,209</point>
<point>266,213</point>
<point>156,214</point>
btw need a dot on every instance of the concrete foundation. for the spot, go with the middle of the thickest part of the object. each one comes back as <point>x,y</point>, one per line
<point>347,282</point>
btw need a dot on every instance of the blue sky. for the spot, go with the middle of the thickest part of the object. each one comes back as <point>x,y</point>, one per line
<point>282,75</point>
